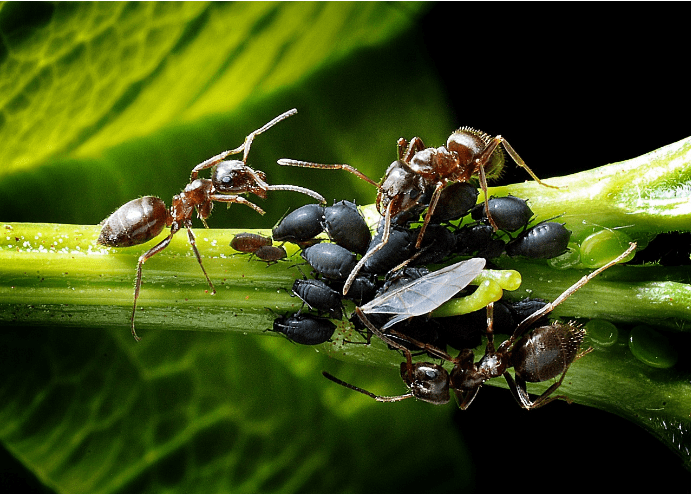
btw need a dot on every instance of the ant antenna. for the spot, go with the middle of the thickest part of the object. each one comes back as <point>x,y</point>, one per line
<point>528,321</point>
<point>365,392</point>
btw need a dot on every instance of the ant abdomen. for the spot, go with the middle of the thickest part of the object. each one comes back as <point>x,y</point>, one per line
<point>469,143</point>
<point>134,223</point>
<point>547,352</point>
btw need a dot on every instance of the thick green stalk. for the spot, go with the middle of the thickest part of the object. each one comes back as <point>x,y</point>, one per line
<point>57,275</point>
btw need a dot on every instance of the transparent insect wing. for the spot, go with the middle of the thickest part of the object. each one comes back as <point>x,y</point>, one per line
<point>425,294</point>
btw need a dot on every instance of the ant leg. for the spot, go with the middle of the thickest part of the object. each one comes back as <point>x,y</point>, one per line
<point>483,186</point>
<point>425,347</point>
<point>519,161</point>
<point>406,150</point>
<point>138,280</point>
<point>193,243</point>
<point>210,162</point>
<point>430,211</point>
<point>244,147</point>
<point>342,166</point>
<point>236,199</point>
<point>465,398</point>
<point>489,349</point>
<point>520,393</point>
<point>401,146</point>
<point>408,356</point>
<point>528,321</point>
<point>248,140</point>
<point>384,239</point>
<point>365,392</point>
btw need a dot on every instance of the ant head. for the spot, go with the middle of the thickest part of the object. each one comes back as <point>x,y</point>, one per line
<point>402,186</point>
<point>430,382</point>
<point>234,177</point>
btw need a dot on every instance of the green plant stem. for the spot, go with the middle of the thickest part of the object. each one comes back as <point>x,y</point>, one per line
<point>58,275</point>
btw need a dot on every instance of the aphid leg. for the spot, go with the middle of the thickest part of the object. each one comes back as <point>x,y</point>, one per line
<point>528,321</point>
<point>138,280</point>
<point>384,239</point>
<point>340,166</point>
<point>193,243</point>
<point>519,161</point>
<point>365,392</point>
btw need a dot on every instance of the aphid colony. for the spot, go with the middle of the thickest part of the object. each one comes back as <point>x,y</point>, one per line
<point>428,216</point>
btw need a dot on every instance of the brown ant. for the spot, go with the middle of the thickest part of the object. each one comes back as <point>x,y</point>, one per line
<point>417,178</point>
<point>141,220</point>
<point>544,354</point>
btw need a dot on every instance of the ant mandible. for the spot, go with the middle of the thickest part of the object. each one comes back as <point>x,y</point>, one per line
<point>417,178</point>
<point>544,354</point>
<point>143,219</point>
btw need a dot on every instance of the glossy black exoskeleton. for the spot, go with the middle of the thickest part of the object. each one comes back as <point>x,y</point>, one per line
<point>478,240</point>
<point>509,213</point>
<point>543,241</point>
<point>398,249</point>
<point>417,178</point>
<point>536,355</point>
<point>305,329</point>
<point>300,225</point>
<point>363,289</point>
<point>455,201</point>
<point>345,226</point>
<point>330,260</point>
<point>400,278</point>
<point>319,296</point>
<point>438,244</point>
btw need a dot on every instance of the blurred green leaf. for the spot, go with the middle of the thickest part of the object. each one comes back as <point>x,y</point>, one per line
<point>103,102</point>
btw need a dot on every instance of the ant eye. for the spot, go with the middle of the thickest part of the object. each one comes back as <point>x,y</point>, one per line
<point>431,373</point>
<point>226,180</point>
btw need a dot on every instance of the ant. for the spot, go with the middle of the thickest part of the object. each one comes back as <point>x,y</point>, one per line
<point>544,354</point>
<point>417,178</point>
<point>143,219</point>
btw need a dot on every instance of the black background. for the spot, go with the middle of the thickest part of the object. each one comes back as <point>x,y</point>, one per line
<point>572,87</point>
